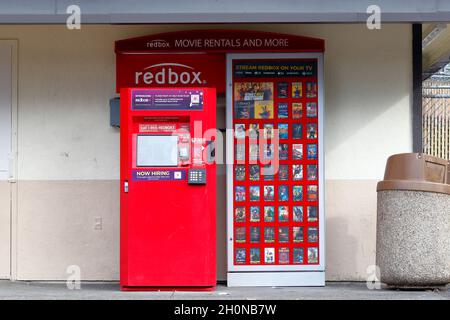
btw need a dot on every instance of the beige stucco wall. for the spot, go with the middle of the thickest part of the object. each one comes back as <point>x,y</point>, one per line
<point>68,163</point>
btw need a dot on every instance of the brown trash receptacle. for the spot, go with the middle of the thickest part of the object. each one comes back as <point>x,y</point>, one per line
<point>413,222</point>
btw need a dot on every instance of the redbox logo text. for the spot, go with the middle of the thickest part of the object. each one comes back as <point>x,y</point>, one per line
<point>168,73</point>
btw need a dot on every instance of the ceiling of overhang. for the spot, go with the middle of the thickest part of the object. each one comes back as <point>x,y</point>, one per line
<point>435,48</point>
<point>223,11</point>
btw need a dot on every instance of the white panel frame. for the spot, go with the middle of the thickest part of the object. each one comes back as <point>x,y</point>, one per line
<point>274,279</point>
<point>266,273</point>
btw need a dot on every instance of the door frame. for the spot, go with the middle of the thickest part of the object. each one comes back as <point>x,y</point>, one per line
<point>12,175</point>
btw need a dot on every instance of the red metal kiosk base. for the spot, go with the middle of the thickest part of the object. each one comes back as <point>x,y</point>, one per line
<point>168,196</point>
<point>189,289</point>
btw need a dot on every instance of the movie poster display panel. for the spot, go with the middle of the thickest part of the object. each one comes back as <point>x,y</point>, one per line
<point>276,168</point>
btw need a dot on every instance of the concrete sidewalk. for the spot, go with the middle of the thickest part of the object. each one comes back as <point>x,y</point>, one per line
<point>110,291</point>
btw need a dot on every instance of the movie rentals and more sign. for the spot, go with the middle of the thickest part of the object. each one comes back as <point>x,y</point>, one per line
<point>208,44</point>
<point>222,41</point>
<point>155,61</point>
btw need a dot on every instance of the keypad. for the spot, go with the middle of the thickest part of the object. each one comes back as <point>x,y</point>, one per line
<point>197,176</point>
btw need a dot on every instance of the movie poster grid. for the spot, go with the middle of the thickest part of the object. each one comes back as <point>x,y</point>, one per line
<point>281,254</point>
<point>280,213</point>
<point>291,243</point>
<point>292,227</point>
<point>255,100</point>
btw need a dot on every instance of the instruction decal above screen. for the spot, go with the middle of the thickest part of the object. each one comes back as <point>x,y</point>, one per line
<point>167,99</point>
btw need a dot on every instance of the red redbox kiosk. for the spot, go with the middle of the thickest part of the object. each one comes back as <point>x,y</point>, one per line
<point>168,188</point>
<point>271,90</point>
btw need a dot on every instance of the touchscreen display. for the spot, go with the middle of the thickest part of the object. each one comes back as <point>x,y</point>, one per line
<point>157,151</point>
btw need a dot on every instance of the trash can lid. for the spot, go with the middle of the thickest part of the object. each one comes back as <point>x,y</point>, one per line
<point>417,172</point>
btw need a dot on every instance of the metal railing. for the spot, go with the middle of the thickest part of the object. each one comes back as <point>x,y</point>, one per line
<point>436,116</point>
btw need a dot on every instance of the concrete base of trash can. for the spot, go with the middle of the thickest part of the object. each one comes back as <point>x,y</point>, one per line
<point>413,238</point>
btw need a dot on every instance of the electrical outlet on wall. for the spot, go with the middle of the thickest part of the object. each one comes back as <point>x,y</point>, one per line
<point>98,223</point>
